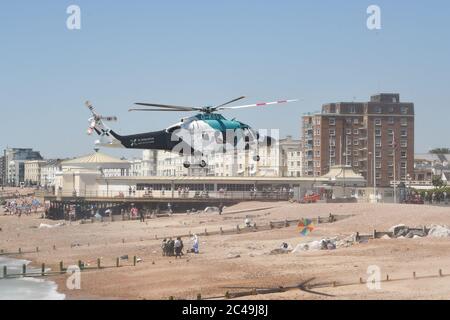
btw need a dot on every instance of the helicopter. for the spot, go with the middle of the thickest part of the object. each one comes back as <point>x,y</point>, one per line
<point>205,131</point>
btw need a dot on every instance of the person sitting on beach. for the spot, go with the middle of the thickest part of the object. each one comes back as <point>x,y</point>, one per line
<point>195,241</point>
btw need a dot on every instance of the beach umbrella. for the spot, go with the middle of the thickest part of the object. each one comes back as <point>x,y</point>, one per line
<point>305,227</point>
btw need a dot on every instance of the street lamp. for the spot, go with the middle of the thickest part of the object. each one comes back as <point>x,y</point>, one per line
<point>102,172</point>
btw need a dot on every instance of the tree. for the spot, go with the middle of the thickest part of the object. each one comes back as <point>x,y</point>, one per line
<point>440,151</point>
<point>437,182</point>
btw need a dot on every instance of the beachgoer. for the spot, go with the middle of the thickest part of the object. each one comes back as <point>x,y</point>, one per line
<point>170,247</point>
<point>177,246</point>
<point>195,247</point>
<point>164,247</point>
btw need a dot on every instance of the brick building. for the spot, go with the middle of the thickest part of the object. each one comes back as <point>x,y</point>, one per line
<point>352,133</point>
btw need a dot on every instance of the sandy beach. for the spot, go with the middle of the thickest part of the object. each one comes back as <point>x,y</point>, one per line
<point>239,262</point>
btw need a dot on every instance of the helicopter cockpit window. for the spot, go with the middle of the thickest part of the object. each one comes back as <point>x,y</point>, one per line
<point>173,129</point>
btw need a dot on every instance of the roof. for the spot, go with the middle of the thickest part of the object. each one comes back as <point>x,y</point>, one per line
<point>95,158</point>
<point>431,157</point>
<point>343,172</point>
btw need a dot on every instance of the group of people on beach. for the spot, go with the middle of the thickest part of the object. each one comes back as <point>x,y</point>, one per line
<point>174,248</point>
<point>21,206</point>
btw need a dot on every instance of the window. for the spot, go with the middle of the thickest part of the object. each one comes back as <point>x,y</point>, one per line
<point>332,154</point>
<point>378,154</point>
<point>349,152</point>
<point>348,131</point>
<point>378,122</point>
<point>317,132</point>
<point>378,142</point>
<point>378,164</point>
<point>317,164</point>
<point>390,132</point>
<point>355,153</point>
<point>317,142</point>
<point>332,121</point>
<point>332,132</point>
<point>332,143</point>
<point>317,153</point>
<point>390,174</point>
<point>298,164</point>
<point>348,141</point>
<point>403,154</point>
<point>356,121</point>
<point>390,164</point>
<point>355,131</point>
<point>356,163</point>
<point>391,120</point>
<point>317,121</point>
<point>403,165</point>
<point>403,143</point>
<point>378,132</point>
<point>378,175</point>
<point>404,122</point>
<point>355,142</point>
<point>352,109</point>
<point>377,109</point>
<point>404,133</point>
<point>391,109</point>
<point>404,110</point>
<point>348,121</point>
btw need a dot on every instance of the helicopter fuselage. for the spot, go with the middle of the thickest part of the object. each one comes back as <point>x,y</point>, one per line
<point>202,132</point>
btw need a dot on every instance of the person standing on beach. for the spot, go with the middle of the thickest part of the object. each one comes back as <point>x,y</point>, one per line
<point>141,215</point>
<point>177,246</point>
<point>170,247</point>
<point>164,247</point>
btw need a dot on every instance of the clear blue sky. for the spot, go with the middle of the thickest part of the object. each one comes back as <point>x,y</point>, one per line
<point>206,52</point>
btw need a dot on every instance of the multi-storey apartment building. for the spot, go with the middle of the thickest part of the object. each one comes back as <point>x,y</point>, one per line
<point>32,169</point>
<point>14,164</point>
<point>291,157</point>
<point>376,138</point>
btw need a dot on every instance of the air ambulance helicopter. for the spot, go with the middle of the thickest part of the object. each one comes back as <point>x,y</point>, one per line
<point>192,137</point>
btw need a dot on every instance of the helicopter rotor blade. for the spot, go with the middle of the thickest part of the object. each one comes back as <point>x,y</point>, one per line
<point>227,103</point>
<point>160,110</point>
<point>262,104</point>
<point>166,106</point>
<point>104,118</point>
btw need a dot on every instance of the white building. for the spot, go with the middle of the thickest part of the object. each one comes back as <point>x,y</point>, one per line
<point>81,175</point>
<point>14,164</point>
<point>49,172</point>
<point>282,158</point>
<point>291,157</point>
<point>32,170</point>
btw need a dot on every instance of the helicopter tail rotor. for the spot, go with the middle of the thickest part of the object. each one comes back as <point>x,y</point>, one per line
<point>96,121</point>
